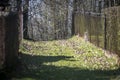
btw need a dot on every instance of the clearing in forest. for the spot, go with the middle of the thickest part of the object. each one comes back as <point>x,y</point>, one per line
<point>69,59</point>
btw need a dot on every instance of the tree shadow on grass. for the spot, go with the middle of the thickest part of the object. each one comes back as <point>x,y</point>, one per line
<point>34,69</point>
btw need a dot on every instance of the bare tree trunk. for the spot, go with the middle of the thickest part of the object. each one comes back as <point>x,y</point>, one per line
<point>20,13</point>
<point>25,18</point>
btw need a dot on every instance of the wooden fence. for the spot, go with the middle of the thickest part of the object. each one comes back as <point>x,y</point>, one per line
<point>90,26</point>
<point>101,29</point>
<point>113,29</point>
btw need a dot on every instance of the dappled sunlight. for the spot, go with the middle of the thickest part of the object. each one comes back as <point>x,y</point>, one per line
<point>60,40</point>
<point>58,59</point>
<point>42,68</point>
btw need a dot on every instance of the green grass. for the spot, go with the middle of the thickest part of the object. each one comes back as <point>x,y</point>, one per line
<point>70,59</point>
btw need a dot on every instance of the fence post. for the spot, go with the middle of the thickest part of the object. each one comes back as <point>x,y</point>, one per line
<point>105,32</point>
<point>73,23</point>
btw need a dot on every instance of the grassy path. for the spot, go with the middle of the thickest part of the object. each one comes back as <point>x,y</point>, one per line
<point>71,59</point>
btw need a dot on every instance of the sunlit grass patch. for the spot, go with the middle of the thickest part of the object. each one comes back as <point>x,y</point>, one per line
<point>83,53</point>
<point>69,59</point>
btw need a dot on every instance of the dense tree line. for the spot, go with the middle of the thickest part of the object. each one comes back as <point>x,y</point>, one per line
<point>52,19</point>
<point>94,5</point>
<point>49,19</point>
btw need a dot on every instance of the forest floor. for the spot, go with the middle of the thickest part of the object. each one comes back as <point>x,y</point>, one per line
<point>70,59</point>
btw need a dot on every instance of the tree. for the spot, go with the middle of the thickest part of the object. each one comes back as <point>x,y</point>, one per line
<point>49,19</point>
